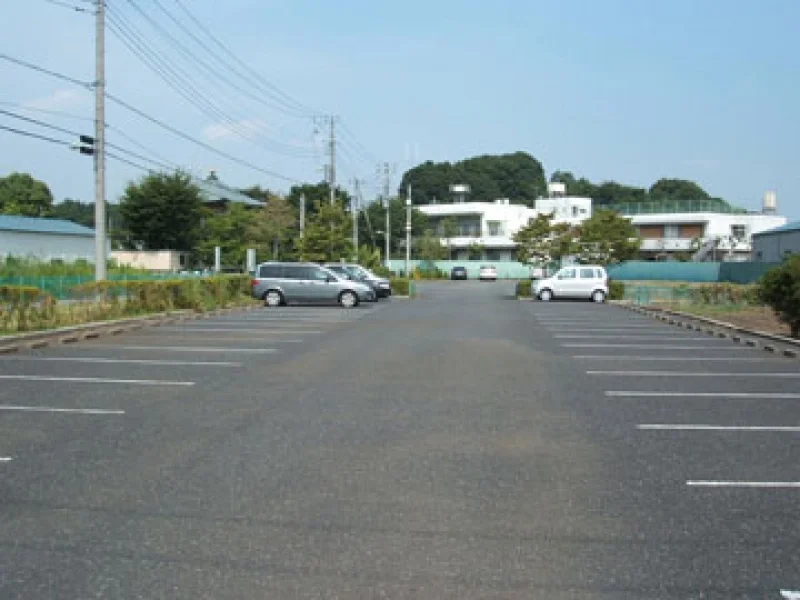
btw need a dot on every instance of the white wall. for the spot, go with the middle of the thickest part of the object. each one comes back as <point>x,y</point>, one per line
<point>46,246</point>
<point>152,260</point>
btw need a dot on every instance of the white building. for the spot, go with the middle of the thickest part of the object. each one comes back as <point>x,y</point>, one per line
<point>709,230</point>
<point>492,225</point>
<point>45,239</point>
<point>165,261</point>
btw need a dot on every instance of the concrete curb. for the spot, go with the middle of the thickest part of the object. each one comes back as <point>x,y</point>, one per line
<point>90,331</point>
<point>754,339</point>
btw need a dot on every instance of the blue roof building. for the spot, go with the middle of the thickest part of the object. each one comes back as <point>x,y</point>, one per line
<point>45,239</point>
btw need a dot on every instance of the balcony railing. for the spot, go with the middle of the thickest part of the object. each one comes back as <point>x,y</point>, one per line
<point>674,206</point>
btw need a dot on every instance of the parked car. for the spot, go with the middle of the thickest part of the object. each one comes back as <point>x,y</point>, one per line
<point>458,273</point>
<point>576,281</point>
<point>380,285</point>
<point>487,273</point>
<point>281,283</point>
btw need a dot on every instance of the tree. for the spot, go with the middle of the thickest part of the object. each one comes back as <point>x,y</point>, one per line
<point>272,228</point>
<point>430,248</point>
<point>475,251</point>
<point>780,289</point>
<point>449,231</point>
<point>677,189</point>
<point>21,194</point>
<point>327,235</point>
<point>518,176</point>
<point>541,241</point>
<point>316,195</point>
<point>162,212</point>
<point>373,218</point>
<point>75,211</point>
<point>228,231</point>
<point>607,238</point>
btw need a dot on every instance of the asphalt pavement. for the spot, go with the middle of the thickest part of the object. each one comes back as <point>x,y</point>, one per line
<point>460,445</point>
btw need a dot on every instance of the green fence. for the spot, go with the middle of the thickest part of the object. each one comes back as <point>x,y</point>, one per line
<point>700,272</point>
<point>59,287</point>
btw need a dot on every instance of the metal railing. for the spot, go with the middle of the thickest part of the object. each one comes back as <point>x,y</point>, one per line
<point>674,206</point>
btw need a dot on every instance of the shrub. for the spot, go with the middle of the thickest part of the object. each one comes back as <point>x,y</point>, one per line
<point>724,293</point>
<point>524,288</point>
<point>780,289</point>
<point>401,286</point>
<point>616,290</point>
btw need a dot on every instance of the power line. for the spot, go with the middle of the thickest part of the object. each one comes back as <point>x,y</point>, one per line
<point>197,142</point>
<point>253,73</point>
<point>35,136</point>
<point>58,113</point>
<point>33,67</point>
<point>66,5</point>
<point>128,162</point>
<point>37,122</point>
<point>184,84</point>
<point>287,108</point>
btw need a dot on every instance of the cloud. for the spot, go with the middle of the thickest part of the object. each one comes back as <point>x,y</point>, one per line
<point>58,100</point>
<point>248,127</point>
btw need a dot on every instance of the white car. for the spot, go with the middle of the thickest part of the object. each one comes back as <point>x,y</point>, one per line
<point>576,281</point>
<point>487,273</point>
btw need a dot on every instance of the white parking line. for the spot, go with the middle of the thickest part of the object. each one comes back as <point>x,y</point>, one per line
<point>253,330</point>
<point>49,409</point>
<point>748,395</point>
<point>692,359</point>
<point>5,459</point>
<point>744,484</point>
<point>175,337</point>
<point>134,361</point>
<point>683,374</point>
<point>756,428</point>
<point>607,329</point>
<point>195,349</point>
<point>97,380</point>
<point>723,347</point>
<point>677,337</point>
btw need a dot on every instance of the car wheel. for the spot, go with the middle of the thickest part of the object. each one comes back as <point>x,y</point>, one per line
<point>545,295</point>
<point>348,300</point>
<point>598,296</point>
<point>273,298</point>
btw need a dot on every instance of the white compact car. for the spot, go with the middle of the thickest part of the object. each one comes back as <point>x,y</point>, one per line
<point>576,281</point>
<point>487,273</point>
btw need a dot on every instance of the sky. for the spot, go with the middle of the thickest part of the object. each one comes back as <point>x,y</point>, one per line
<point>624,90</point>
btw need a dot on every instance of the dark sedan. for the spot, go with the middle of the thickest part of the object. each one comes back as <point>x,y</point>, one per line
<point>458,273</point>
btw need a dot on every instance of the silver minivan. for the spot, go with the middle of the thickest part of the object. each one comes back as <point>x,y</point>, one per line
<point>278,283</point>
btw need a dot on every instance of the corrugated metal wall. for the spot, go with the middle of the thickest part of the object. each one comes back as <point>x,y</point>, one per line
<point>46,246</point>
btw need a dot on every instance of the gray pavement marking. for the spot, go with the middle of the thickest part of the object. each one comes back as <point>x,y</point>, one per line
<point>682,374</point>
<point>734,428</point>
<point>195,349</point>
<point>97,380</point>
<point>675,358</point>
<point>227,338</point>
<point>134,361</point>
<point>743,484</point>
<point>734,395</point>
<point>660,347</point>
<point>49,409</point>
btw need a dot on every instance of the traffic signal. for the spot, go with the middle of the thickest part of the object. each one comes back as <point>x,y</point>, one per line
<point>86,145</point>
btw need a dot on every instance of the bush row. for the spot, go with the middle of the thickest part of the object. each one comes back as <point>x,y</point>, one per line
<point>401,286</point>
<point>725,293</point>
<point>104,300</point>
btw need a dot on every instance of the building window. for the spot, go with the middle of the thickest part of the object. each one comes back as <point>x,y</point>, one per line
<point>672,231</point>
<point>575,211</point>
<point>495,228</point>
<point>738,232</point>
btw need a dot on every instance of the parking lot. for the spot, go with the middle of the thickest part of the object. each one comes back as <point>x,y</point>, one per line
<point>461,445</point>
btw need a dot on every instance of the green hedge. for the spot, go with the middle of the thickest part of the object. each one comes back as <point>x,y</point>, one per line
<point>616,290</point>
<point>16,294</point>
<point>524,288</point>
<point>725,293</point>
<point>402,286</point>
<point>104,300</point>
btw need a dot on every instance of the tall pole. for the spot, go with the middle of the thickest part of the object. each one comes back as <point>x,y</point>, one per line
<point>100,145</point>
<point>408,227</point>
<point>332,169</point>
<point>388,235</point>
<point>354,210</point>
<point>302,215</point>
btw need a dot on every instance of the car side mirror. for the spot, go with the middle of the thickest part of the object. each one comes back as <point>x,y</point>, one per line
<point>331,279</point>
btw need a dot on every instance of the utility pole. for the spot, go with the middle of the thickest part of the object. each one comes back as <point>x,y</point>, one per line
<point>100,145</point>
<point>408,228</point>
<point>332,152</point>
<point>302,215</point>
<point>387,205</point>
<point>354,209</point>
